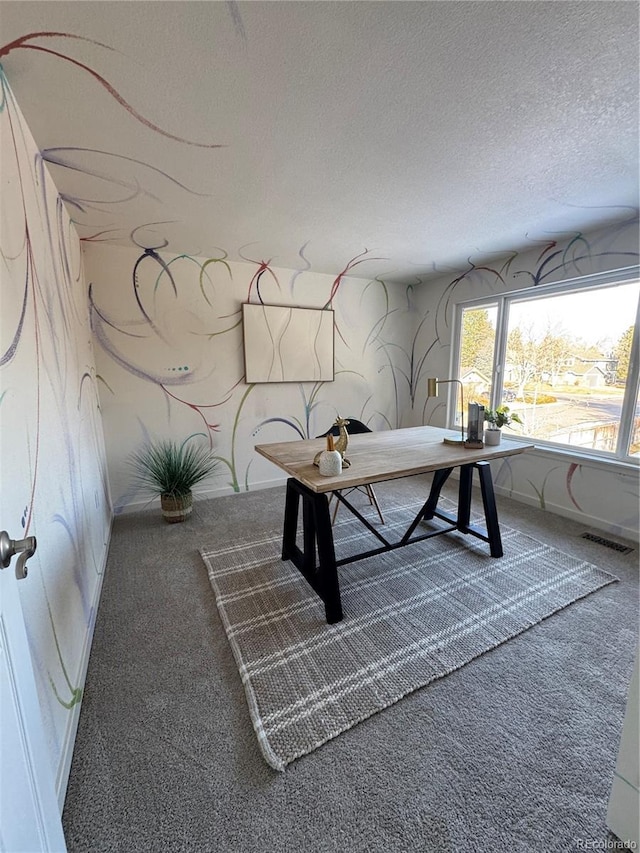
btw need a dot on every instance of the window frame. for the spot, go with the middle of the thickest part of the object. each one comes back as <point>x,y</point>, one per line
<point>503,302</point>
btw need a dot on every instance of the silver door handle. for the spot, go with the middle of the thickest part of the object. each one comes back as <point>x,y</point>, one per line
<point>10,547</point>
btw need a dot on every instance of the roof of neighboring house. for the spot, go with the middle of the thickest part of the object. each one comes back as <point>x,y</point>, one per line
<point>584,369</point>
<point>475,374</point>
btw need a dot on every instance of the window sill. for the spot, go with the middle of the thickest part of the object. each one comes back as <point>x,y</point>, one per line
<point>625,467</point>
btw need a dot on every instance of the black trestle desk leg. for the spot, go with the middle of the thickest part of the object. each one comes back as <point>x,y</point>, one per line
<point>490,509</point>
<point>327,570</point>
<point>464,498</point>
<point>308,535</point>
<point>290,527</point>
<point>440,477</point>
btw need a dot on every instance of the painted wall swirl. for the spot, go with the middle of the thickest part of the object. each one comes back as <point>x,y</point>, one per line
<point>54,478</point>
<point>597,494</point>
<point>170,357</point>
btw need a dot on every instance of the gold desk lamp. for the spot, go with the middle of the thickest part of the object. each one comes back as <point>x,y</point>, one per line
<point>472,442</point>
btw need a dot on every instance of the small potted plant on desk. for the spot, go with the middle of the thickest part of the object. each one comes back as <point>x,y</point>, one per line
<point>171,469</point>
<point>497,418</point>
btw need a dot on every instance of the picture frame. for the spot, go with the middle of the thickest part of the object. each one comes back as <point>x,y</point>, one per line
<point>286,343</point>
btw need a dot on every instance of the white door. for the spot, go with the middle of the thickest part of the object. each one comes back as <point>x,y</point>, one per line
<point>29,816</point>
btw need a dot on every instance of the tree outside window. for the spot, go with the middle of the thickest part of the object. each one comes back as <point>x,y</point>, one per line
<point>567,364</point>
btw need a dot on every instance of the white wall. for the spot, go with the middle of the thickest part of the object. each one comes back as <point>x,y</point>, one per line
<point>170,356</point>
<point>170,359</point>
<point>54,482</point>
<point>595,493</point>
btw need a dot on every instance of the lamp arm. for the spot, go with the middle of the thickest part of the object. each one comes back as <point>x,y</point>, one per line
<point>449,381</point>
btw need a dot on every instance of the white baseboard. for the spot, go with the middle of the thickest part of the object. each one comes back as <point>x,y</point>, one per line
<point>136,506</point>
<point>623,812</point>
<point>69,739</point>
<point>566,512</point>
<point>530,500</point>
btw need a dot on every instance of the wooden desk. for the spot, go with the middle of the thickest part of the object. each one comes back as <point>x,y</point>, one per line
<point>375,457</point>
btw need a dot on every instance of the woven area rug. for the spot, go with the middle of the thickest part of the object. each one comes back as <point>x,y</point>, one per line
<point>410,616</point>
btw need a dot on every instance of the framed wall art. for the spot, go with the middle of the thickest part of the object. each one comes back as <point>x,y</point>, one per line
<point>287,344</point>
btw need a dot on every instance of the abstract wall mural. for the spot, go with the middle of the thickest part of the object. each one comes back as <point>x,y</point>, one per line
<point>29,42</point>
<point>55,484</point>
<point>171,322</point>
<point>111,180</point>
<point>170,339</point>
<point>144,340</point>
<point>591,492</point>
<point>389,337</point>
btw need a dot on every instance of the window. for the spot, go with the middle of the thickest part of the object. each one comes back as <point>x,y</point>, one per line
<point>564,357</point>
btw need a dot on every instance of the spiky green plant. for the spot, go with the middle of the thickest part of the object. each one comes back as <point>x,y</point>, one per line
<point>168,468</point>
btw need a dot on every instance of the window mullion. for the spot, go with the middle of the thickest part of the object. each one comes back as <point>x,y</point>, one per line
<point>628,410</point>
<point>497,381</point>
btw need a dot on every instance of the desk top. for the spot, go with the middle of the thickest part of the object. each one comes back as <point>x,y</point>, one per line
<point>377,456</point>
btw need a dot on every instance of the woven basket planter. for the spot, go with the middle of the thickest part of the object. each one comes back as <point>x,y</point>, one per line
<point>176,508</point>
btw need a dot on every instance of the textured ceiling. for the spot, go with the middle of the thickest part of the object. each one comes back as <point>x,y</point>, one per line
<point>427,133</point>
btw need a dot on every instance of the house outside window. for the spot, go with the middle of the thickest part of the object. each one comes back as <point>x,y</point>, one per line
<point>565,357</point>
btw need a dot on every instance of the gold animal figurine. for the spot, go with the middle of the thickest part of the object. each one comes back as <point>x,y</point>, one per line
<point>340,445</point>
<point>343,439</point>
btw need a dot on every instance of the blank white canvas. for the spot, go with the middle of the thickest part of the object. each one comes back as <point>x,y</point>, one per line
<point>286,344</point>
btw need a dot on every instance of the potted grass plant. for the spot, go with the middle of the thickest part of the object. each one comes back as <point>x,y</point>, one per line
<point>171,469</point>
<point>498,418</point>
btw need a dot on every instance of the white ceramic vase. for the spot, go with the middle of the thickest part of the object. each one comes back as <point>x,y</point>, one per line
<point>330,463</point>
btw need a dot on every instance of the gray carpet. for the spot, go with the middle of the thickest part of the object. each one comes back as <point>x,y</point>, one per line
<point>513,752</point>
<point>410,617</point>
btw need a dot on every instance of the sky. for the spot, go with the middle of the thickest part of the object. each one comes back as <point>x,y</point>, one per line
<point>598,317</point>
